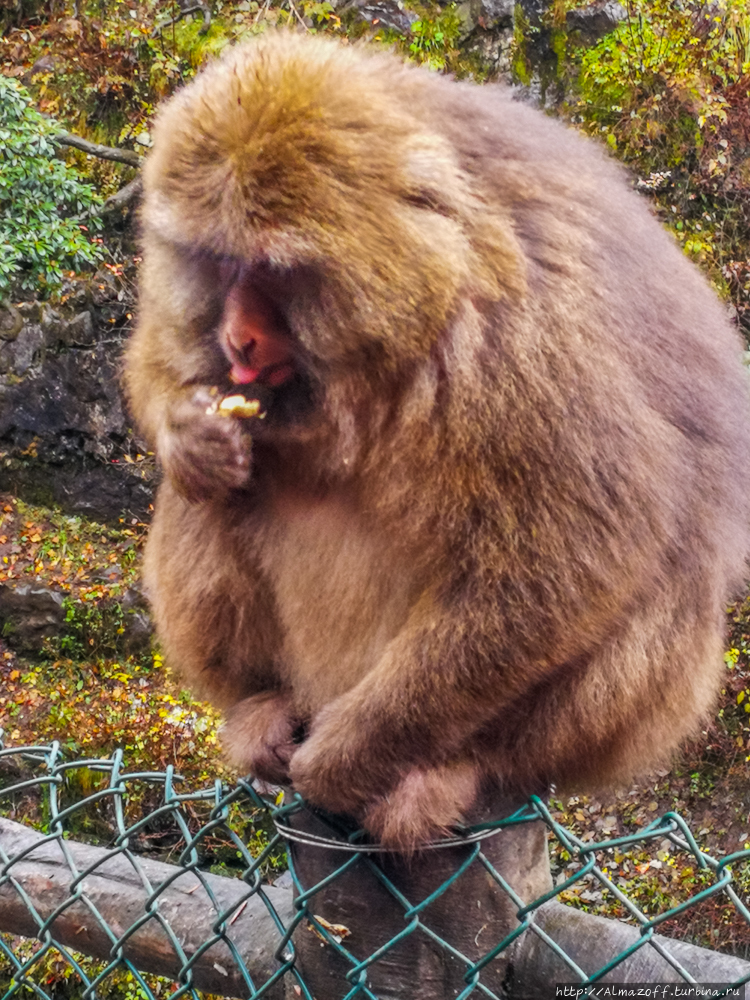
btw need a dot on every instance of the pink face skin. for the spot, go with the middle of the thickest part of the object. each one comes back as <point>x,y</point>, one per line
<point>254,339</point>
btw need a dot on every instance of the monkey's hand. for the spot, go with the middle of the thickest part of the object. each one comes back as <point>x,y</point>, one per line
<point>205,454</point>
<point>402,805</point>
<point>259,735</point>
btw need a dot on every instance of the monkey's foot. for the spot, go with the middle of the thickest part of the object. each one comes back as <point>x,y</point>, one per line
<point>425,805</point>
<point>337,770</point>
<point>259,735</point>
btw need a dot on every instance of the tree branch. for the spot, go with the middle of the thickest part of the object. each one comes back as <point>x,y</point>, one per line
<point>183,12</point>
<point>297,14</point>
<point>102,152</point>
<point>122,198</point>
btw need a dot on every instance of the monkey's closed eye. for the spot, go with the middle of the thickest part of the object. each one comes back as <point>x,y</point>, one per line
<point>431,201</point>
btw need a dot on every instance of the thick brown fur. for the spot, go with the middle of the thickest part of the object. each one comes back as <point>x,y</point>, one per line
<point>494,531</point>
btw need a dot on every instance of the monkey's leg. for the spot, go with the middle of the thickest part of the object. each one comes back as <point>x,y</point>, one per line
<point>388,738</point>
<point>444,690</point>
<point>610,716</point>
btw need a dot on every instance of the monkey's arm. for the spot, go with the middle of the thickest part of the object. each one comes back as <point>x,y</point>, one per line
<point>441,680</point>
<point>218,624</point>
<point>517,602</point>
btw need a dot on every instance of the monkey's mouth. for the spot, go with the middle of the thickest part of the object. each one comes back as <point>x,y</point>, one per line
<point>285,390</point>
<point>273,375</point>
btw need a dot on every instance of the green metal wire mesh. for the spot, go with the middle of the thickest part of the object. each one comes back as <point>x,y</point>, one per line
<point>235,832</point>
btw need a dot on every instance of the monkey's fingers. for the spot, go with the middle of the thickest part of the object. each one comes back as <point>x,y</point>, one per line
<point>259,735</point>
<point>208,466</point>
<point>204,456</point>
<point>328,775</point>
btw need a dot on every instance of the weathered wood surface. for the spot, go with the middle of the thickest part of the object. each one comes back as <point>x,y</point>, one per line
<point>593,941</point>
<point>121,893</point>
<point>472,915</point>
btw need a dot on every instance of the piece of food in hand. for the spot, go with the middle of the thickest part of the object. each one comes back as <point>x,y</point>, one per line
<point>237,406</point>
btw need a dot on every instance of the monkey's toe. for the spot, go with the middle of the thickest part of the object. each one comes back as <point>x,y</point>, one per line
<point>426,804</point>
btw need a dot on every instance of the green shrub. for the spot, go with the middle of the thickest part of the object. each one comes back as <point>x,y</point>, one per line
<point>40,198</point>
<point>657,86</point>
<point>434,39</point>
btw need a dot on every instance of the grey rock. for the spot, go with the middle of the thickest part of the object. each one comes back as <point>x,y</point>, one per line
<point>134,599</point>
<point>17,356</point>
<point>596,20</point>
<point>136,638</point>
<point>77,293</point>
<point>30,614</point>
<point>492,49</point>
<point>79,331</point>
<point>11,321</point>
<point>104,288</point>
<point>382,14</point>
<point>64,429</point>
<point>51,323</point>
<point>45,64</point>
<point>112,313</point>
<point>467,15</point>
<point>497,12</point>
<point>485,14</point>
<point>73,393</point>
<point>31,311</point>
<point>535,10</point>
<point>136,622</point>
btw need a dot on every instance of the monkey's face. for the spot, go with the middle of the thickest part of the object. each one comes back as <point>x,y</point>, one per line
<point>363,213</point>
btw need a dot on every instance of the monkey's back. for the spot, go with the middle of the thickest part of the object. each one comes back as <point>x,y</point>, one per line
<point>636,369</point>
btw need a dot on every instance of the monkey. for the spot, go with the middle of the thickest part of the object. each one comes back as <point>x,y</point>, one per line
<point>500,491</point>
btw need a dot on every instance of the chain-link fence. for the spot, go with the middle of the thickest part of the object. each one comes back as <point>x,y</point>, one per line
<point>138,887</point>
